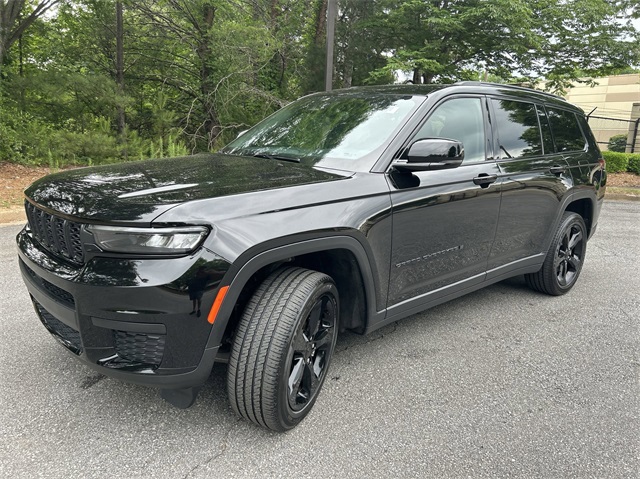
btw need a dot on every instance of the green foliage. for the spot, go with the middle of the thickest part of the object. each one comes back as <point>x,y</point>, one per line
<point>618,143</point>
<point>558,41</point>
<point>25,139</point>
<point>196,72</point>
<point>621,162</point>
<point>634,163</point>
<point>616,162</point>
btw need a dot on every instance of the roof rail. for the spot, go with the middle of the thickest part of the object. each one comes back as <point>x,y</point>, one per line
<point>517,87</point>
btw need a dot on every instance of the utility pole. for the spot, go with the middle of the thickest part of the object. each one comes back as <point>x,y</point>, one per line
<point>332,13</point>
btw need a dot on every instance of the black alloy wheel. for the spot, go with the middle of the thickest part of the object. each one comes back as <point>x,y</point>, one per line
<point>564,260</point>
<point>310,351</point>
<point>569,255</point>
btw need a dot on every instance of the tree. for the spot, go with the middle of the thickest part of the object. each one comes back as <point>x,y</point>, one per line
<point>108,80</point>
<point>212,52</point>
<point>120,67</point>
<point>16,16</point>
<point>450,40</point>
<point>356,54</point>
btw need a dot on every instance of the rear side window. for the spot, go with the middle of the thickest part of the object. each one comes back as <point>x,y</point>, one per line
<point>566,131</point>
<point>518,129</point>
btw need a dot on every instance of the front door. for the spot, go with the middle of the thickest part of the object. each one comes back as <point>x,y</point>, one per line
<point>444,221</point>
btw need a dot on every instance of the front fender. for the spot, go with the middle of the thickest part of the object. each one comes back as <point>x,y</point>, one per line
<point>251,262</point>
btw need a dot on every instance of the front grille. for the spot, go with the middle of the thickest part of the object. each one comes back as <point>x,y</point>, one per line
<point>59,236</point>
<point>54,291</point>
<point>68,336</point>
<point>139,347</point>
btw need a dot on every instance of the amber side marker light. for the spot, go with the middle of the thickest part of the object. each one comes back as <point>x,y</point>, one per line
<point>217,303</point>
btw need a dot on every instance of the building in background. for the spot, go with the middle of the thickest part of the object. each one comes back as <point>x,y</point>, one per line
<point>616,100</point>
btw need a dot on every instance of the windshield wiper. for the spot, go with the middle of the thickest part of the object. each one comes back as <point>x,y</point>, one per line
<point>276,157</point>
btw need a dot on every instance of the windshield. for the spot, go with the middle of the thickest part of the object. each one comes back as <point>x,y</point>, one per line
<point>344,132</point>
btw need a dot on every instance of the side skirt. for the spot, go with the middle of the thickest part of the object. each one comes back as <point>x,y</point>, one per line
<point>428,300</point>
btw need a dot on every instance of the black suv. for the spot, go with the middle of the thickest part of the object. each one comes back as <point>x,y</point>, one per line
<point>343,210</point>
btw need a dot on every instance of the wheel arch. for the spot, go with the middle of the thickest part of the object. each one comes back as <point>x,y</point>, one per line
<point>581,202</point>
<point>585,207</point>
<point>343,258</point>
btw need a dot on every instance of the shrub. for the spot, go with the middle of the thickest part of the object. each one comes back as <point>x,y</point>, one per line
<point>23,139</point>
<point>634,163</point>
<point>90,148</point>
<point>618,143</point>
<point>616,162</point>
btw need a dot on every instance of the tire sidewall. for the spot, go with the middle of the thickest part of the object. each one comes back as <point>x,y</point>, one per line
<point>288,417</point>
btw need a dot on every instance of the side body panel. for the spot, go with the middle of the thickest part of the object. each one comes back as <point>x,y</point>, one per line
<point>358,206</point>
<point>531,196</point>
<point>442,230</point>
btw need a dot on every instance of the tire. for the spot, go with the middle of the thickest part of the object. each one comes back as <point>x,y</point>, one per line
<point>283,347</point>
<point>562,266</point>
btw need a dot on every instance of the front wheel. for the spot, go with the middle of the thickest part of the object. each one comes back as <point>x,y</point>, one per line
<point>564,259</point>
<point>282,348</point>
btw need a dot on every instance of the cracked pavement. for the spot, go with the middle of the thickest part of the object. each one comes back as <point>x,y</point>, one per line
<point>502,382</point>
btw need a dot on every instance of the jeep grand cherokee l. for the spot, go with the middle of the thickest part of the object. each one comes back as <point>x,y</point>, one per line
<point>343,210</point>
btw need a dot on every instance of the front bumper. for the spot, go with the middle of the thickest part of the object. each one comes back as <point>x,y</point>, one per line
<point>129,318</point>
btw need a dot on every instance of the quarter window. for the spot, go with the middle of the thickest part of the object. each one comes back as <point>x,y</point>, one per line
<point>518,129</point>
<point>547,139</point>
<point>458,119</point>
<point>566,131</point>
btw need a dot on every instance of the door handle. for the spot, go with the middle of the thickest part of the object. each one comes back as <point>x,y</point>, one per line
<point>557,169</point>
<point>484,180</point>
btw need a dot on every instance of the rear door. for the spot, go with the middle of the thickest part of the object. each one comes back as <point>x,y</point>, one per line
<point>444,221</point>
<point>534,178</point>
<point>571,143</point>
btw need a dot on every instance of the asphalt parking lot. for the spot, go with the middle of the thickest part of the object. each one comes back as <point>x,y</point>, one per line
<point>504,382</point>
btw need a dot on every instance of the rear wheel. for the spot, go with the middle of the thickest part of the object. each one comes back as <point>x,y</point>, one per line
<point>565,257</point>
<point>283,347</point>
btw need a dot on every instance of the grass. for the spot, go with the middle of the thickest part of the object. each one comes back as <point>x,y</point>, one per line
<point>623,190</point>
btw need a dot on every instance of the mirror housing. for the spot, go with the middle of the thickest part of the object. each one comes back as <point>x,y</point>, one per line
<point>432,154</point>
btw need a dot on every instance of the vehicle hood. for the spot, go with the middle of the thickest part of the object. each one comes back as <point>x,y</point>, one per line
<point>140,191</point>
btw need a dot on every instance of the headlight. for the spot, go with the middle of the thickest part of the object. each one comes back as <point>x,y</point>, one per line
<point>179,240</point>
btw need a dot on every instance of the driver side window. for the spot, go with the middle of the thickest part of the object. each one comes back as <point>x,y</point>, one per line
<point>458,119</point>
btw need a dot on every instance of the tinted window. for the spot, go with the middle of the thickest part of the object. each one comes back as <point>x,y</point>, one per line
<point>518,129</point>
<point>566,131</point>
<point>458,119</point>
<point>547,139</point>
<point>345,132</point>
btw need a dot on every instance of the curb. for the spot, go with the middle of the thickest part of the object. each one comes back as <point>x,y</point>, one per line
<point>13,216</point>
<point>619,197</point>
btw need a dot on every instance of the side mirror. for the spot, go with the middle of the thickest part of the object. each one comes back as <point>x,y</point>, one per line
<point>432,154</point>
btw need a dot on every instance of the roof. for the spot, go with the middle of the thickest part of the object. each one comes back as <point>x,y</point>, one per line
<point>460,87</point>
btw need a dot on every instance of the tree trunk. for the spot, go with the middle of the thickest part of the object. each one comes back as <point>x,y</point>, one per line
<point>321,23</point>
<point>211,121</point>
<point>347,71</point>
<point>120,75</point>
